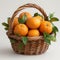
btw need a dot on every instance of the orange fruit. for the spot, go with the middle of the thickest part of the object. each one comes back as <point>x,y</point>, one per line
<point>33,22</point>
<point>26,13</point>
<point>46,27</point>
<point>40,18</point>
<point>21,30</point>
<point>15,22</point>
<point>33,33</point>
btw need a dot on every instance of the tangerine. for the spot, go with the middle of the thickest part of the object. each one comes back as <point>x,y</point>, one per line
<point>21,30</point>
<point>46,27</point>
<point>40,18</point>
<point>26,13</point>
<point>33,33</point>
<point>33,22</point>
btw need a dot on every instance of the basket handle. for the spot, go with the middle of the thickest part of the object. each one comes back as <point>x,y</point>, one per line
<point>23,7</point>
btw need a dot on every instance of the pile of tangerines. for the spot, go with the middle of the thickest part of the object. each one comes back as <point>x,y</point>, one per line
<point>33,26</point>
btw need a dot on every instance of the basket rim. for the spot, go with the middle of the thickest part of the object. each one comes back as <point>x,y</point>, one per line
<point>36,38</point>
<point>29,38</point>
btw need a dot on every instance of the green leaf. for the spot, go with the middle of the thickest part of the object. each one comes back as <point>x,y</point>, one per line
<point>52,38</point>
<point>12,40</point>
<point>24,39</point>
<point>45,38</point>
<point>55,29</point>
<point>23,19</point>
<point>47,41</point>
<point>5,24</point>
<point>6,28</point>
<point>48,38</point>
<point>36,14</point>
<point>20,45</point>
<point>51,15</point>
<point>54,19</point>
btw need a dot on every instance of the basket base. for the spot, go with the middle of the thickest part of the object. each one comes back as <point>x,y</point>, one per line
<point>30,54</point>
<point>42,48</point>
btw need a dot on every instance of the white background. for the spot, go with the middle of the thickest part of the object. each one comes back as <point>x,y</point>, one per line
<point>7,7</point>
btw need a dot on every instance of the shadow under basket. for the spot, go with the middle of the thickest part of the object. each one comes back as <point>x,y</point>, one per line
<point>35,45</point>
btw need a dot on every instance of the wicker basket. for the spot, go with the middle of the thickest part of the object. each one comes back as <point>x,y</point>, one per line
<point>35,45</point>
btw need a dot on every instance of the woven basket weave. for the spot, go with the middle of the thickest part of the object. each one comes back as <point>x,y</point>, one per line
<point>35,45</point>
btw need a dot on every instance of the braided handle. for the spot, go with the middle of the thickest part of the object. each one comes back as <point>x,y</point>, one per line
<point>23,7</point>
